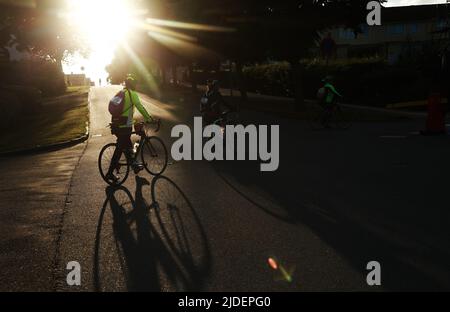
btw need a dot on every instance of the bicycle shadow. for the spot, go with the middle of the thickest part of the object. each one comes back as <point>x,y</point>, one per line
<point>161,244</point>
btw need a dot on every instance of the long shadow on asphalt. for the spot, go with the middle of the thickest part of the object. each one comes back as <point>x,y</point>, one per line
<point>162,244</point>
<point>356,242</point>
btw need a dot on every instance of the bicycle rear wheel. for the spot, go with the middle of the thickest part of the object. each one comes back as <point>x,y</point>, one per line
<point>340,119</point>
<point>104,162</point>
<point>316,116</point>
<point>154,156</point>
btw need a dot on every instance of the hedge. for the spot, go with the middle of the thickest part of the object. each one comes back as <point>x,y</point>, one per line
<point>41,74</point>
<point>368,81</point>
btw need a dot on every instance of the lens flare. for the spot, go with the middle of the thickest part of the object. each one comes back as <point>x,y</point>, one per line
<point>190,26</point>
<point>284,274</point>
<point>273,264</point>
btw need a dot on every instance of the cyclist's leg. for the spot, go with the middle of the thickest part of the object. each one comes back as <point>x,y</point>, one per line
<point>327,114</point>
<point>123,145</point>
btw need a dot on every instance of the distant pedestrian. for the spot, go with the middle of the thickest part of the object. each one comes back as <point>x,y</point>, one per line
<point>328,47</point>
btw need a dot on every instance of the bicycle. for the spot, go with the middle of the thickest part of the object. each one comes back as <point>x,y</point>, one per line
<point>151,149</point>
<point>226,118</point>
<point>328,116</point>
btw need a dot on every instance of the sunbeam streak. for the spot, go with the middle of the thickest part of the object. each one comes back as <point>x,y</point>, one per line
<point>190,26</point>
<point>170,33</point>
<point>146,75</point>
<point>181,47</point>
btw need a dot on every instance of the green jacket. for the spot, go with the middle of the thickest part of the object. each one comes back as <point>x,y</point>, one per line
<point>132,100</point>
<point>329,97</point>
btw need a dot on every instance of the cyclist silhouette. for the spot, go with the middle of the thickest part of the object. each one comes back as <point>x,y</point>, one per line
<point>123,128</point>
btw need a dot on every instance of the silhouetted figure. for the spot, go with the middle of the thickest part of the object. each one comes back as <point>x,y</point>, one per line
<point>328,47</point>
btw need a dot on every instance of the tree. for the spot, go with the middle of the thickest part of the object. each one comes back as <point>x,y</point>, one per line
<point>243,31</point>
<point>283,30</point>
<point>40,29</point>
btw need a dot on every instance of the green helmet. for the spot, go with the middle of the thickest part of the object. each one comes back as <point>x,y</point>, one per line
<point>130,82</point>
<point>328,79</point>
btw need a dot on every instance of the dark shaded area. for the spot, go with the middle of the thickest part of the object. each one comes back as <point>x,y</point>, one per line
<point>406,239</point>
<point>356,242</point>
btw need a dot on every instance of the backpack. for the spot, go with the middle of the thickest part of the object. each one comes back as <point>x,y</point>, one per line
<point>117,104</point>
<point>321,94</point>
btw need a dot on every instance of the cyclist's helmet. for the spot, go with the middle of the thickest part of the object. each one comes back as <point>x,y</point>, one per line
<point>130,82</point>
<point>213,84</point>
<point>328,79</point>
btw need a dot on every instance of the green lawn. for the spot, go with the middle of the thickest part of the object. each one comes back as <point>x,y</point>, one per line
<point>60,119</point>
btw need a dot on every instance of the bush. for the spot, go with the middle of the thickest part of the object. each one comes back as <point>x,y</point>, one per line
<point>10,108</point>
<point>271,79</point>
<point>43,75</point>
<point>367,81</point>
<point>15,101</point>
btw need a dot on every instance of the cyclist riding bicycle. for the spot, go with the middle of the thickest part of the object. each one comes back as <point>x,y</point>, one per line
<point>327,96</point>
<point>123,127</point>
<point>212,104</point>
<point>328,92</point>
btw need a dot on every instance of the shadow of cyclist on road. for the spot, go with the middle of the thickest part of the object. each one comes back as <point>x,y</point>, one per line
<point>160,242</point>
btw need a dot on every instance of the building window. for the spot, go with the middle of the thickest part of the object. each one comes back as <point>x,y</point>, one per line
<point>396,29</point>
<point>364,29</point>
<point>413,28</point>
<point>441,24</point>
<point>346,33</point>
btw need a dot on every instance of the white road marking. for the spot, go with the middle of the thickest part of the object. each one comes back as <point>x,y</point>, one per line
<point>393,136</point>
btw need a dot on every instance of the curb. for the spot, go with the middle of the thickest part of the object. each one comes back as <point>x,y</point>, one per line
<point>57,146</point>
<point>387,111</point>
<point>392,112</point>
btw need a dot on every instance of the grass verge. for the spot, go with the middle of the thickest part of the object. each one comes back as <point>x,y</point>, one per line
<point>58,120</point>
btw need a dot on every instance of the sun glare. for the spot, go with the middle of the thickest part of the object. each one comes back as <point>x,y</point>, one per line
<point>103,24</point>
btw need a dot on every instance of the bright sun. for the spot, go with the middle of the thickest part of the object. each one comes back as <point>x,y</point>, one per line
<point>103,24</point>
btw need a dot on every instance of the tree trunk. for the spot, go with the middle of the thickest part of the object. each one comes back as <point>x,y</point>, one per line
<point>241,81</point>
<point>192,78</point>
<point>163,76</point>
<point>59,58</point>
<point>60,81</point>
<point>173,70</point>
<point>297,82</point>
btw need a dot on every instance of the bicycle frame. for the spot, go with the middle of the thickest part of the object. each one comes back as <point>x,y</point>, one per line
<point>143,138</point>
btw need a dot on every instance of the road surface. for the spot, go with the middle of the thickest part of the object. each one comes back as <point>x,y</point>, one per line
<point>340,199</point>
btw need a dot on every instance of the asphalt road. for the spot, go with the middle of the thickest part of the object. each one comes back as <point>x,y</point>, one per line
<point>339,200</point>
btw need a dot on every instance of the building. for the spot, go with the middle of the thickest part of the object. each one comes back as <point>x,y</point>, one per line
<point>404,31</point>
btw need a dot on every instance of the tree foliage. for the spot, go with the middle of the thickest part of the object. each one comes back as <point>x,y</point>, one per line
<point>246,30</point>
<point>39,27</point>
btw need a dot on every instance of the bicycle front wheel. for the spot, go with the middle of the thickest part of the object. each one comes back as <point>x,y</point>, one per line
<point>154,156</point>
<point>104,162</point>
